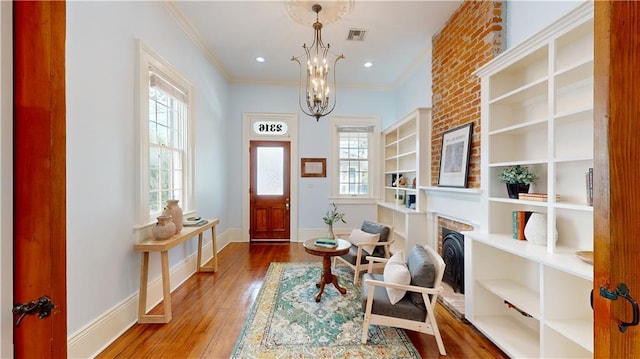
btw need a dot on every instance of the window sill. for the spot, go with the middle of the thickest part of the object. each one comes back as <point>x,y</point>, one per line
<point>151,222</point>
<point>353,200</point>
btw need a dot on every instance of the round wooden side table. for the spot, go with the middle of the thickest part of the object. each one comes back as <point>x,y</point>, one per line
<point>326,253</point>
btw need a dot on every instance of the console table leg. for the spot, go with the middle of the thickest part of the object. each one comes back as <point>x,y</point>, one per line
<point>166,286</point>
<point>199,259</point>
<point>142,296</point>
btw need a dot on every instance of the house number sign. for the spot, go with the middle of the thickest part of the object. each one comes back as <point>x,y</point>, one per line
<point>270,128</point>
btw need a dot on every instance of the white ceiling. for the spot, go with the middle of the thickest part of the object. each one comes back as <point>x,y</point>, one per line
<point>235,32</point>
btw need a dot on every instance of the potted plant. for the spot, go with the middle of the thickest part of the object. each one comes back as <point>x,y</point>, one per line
<point>517,178</point>
<point>332,216</point>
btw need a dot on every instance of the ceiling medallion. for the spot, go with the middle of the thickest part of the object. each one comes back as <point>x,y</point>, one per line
<point>332,11</point>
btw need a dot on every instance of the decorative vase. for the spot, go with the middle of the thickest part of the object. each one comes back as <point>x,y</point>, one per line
<point>164,228</point>
<point>535,231</point>
<point>330,232</point>
<point>173,209</point>
<point>513,189</point>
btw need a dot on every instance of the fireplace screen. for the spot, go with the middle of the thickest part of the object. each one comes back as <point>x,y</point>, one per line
<point>453,256</point>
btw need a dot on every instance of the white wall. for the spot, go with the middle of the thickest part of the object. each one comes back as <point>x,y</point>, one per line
<point>103,270</point>
<point>313,142</point>
<point>414,92</point>
<point>6,180</point>
<point>525,17</point>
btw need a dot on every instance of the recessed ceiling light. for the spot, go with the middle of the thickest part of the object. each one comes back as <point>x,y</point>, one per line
<point>260,59</point>
<point>368,64</point>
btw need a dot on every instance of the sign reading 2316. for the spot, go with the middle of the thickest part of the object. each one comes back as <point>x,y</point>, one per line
<point>270,128</point>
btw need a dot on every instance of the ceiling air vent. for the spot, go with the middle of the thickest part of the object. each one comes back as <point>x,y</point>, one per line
<point>356,34</point>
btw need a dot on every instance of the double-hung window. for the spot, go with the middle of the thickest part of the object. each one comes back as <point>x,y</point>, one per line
<point>354,149</point>
<point>166,126</point>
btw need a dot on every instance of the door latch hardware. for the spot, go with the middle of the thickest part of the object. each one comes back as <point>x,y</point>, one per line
<point>42,307</point>
<point>623,291</point>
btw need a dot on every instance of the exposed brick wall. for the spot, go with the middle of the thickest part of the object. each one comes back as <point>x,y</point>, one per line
<point>452,225</point>
<point>471,37</point>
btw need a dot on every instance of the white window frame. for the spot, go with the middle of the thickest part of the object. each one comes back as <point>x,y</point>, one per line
<point>150,60</point>
<point>337,122</point>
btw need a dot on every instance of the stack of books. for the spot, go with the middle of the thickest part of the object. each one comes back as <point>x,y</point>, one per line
<point>194,222</point>
<point>540,197</point>
<point>520,219</point>
<point>326,242</point>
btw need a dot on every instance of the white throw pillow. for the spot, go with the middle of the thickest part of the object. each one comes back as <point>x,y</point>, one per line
<point>396,271</point>
<point>358,236</point>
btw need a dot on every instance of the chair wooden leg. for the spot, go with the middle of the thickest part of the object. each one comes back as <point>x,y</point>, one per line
<point>436,331</point>
<point>365,329</point>
<point>367,315</point>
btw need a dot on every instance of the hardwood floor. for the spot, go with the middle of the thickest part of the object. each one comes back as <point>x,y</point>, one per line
<point>209,311</point>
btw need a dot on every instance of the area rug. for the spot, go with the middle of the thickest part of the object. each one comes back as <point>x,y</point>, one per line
<point>286,322</point>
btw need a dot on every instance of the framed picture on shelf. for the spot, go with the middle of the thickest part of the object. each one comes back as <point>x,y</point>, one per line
<point>454,156</point>
<point>313,167</point>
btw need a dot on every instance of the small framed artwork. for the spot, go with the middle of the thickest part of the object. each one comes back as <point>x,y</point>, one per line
<point>454,156</point>
<point>313,167</point>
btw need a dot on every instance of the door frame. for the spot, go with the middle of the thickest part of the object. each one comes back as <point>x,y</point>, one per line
<point>6,179</point>
<point>39,175</point>
<point>283,201</point>
<point>291,120</point>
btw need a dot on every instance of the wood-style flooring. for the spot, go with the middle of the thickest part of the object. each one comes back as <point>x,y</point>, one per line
<point>209,310</point>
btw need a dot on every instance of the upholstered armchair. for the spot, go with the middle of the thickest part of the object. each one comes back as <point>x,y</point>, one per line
<point>371,239</point>
<point>405,294</point>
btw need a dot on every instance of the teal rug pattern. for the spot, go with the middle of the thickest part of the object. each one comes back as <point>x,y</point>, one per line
<point>286,322</point>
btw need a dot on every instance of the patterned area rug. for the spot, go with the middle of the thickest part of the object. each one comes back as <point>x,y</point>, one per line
<point>286,321</point>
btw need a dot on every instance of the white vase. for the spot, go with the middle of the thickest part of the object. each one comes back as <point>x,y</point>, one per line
<point>173,209</point>
<point>535,231</point>
<point>164,229</point>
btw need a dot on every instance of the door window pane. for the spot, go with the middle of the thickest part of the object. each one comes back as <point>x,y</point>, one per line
<point>270,171</point>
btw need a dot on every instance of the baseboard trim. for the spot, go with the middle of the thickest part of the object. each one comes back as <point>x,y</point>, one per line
<point>89,341</point>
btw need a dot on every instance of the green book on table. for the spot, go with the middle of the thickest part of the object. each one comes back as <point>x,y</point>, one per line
<point>327,241</point>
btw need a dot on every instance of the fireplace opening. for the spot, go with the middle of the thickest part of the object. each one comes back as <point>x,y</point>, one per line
<point>453,256</point>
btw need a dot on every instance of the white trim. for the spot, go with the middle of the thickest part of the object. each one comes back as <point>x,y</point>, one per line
<point>148,58</point>
<point>90,340</point>
<point>192,33</point>
<point>291,119</point>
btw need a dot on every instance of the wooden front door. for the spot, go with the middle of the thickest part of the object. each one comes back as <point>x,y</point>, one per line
<point>616,175</point>
<point>269,191</point>
<point>40,175</point>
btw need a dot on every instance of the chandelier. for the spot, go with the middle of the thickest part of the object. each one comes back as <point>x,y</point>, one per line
<point>319,101</point>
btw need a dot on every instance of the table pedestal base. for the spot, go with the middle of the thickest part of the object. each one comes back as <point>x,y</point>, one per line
<point>328,277</point>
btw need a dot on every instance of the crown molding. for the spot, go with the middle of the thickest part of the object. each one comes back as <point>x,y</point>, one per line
<point>193,34</point>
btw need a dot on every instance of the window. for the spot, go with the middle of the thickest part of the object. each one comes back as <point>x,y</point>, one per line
<point>354,143</point>
<point>166,126</point>
<point>353,157</point>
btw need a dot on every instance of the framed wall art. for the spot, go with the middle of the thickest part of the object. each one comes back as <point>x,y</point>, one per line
<point>454,156</point>
<point>313,167</point>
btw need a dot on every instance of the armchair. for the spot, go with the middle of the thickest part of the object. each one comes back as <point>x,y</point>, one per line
<point>416,309</point>
<point>360,249</point>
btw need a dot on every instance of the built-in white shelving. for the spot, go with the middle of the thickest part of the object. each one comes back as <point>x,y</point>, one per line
<point>406,152</point>
<point>537,111</point>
